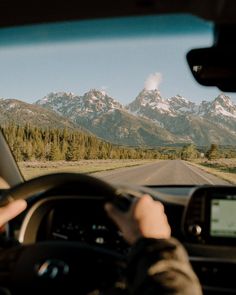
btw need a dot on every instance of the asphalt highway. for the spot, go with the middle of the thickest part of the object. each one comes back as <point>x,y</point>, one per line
<point>161,173</point>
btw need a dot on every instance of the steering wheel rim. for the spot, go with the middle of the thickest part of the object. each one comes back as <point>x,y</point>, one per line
<point>44,183</point>
<point>40,186</point>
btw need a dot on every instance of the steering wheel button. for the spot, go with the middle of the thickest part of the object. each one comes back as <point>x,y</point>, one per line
<point>99,240</point>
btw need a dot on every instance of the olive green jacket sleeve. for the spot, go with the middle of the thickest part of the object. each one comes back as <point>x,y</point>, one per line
<point>161,267</point>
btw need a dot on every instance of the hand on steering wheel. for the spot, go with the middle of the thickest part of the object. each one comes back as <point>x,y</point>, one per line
<point>145,219</point>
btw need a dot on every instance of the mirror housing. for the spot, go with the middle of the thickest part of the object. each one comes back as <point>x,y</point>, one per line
<point>214,66</point>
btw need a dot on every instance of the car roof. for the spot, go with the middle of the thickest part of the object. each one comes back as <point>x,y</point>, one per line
<point>15,13</point>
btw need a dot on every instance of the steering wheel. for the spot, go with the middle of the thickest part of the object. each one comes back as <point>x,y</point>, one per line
<point>54,266</point>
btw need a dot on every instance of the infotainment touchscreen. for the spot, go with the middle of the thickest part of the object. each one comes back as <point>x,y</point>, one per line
<point>223,217</point>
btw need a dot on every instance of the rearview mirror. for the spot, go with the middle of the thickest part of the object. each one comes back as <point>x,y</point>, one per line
<point>215,66</point>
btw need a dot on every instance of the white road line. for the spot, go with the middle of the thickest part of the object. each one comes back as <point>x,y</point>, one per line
<point>199,174</point>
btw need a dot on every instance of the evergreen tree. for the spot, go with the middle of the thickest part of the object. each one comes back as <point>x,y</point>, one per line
<point>213,152</point>
<point>34,143</point>
<point>54,154</point>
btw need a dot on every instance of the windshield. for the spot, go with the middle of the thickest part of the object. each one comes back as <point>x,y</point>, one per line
<point>115,98</point>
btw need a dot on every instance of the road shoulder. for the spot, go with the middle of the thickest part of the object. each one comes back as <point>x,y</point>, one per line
<point>229,177</point>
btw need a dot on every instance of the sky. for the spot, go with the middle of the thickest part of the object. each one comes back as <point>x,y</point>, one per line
<point>115,56</point>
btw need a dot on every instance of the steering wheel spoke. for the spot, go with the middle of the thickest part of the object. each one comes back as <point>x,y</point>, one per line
<point>60,265</point>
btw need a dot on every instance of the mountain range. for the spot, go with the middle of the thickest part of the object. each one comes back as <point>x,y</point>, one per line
<point>150,120</point>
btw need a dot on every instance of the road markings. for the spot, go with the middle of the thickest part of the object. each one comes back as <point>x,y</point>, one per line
<point>199,174</point>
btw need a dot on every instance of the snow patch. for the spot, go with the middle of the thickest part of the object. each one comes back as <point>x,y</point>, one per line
<point>221,111</point>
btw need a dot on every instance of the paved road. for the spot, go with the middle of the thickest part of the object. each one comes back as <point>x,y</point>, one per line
<point>162,172</point>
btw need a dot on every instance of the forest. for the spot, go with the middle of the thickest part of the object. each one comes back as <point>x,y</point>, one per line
<point>32,143</point>
<point>29,143</point>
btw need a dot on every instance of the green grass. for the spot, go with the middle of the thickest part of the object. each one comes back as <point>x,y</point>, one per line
<point>220,167</point>
<point>34,169</point>
<point>223,168</point>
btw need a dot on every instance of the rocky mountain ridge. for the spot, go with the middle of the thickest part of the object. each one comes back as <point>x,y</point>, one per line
<point>177,117</point>
<point>150,120</point>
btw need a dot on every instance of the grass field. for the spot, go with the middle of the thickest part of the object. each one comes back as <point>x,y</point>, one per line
<point>223,168</point>
<point>33,169</point>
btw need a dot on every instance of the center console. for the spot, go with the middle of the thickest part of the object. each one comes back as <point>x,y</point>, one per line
<point>209,227</point>
<point>210,216</point>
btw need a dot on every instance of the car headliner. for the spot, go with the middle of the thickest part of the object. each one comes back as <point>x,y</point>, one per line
<point>13,13</point>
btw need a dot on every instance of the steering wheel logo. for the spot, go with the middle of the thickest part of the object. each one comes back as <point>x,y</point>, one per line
<point>52,269</point>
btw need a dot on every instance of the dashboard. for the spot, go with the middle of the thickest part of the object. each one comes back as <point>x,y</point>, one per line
<point>198,215</point>
<point>73,219</point>
<point>202,217</point>
<point>83,220</point>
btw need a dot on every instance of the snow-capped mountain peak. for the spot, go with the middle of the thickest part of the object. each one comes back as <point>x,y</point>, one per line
<point>181,105</point>
<point>225,101</point>
<point>52,96</point>
<point>150,97</point>
<point>92,104</point>
<point>59,101</point>
<point>180,99</point>
<point>99,101</point>
<point>96,103</point>
<point>224,98</point>
<point>221,106</point>
<point>149,101</point>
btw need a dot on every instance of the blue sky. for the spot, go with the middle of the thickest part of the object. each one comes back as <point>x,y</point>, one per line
<point>114,55</point>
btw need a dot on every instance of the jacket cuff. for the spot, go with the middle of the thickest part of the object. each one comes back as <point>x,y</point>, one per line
<point>149,245</point>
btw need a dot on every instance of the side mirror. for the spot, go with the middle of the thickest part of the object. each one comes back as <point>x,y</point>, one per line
<point>215,66</point>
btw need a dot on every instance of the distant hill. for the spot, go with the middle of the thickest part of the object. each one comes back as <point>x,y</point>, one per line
<point>19,112</point>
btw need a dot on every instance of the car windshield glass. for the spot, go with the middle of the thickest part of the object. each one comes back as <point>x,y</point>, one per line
<point>115,98</point>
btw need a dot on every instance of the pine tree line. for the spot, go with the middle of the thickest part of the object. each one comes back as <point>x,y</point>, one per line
<point>33,143</point>
<point>50,144</point>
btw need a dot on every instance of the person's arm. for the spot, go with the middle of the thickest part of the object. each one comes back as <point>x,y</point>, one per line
<point>158,264</point>
<point>11,210</point>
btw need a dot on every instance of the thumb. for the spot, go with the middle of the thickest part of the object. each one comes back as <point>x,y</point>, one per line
<point>11,210</point>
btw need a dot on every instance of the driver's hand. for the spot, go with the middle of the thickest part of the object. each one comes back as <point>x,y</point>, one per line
<point>146,218</point>
<point>11,210</point>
